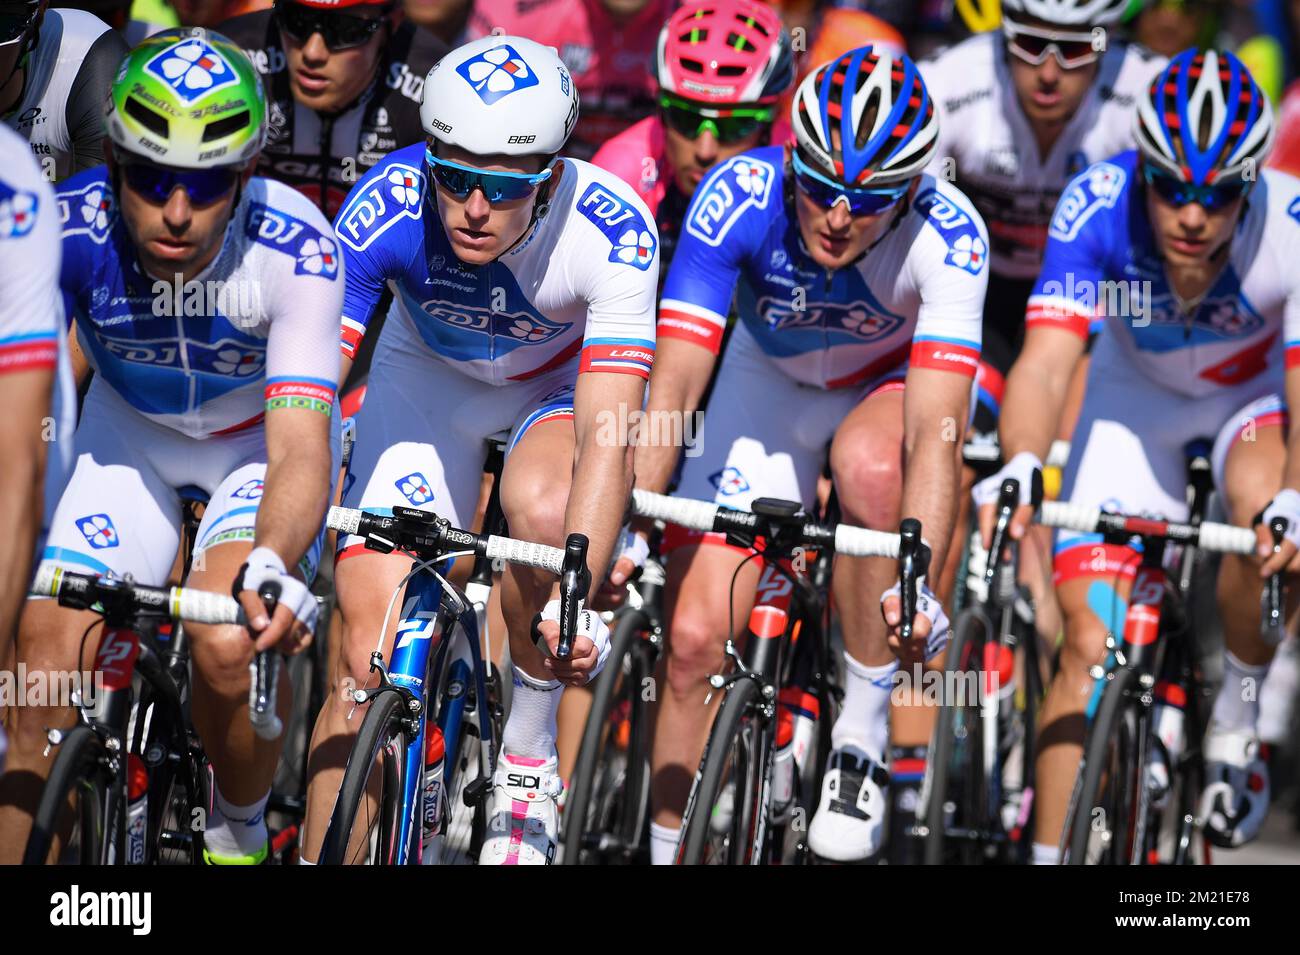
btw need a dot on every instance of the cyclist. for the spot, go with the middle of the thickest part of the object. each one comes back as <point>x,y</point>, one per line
<point>208,301</point>
<point>856,275</point>
<point>1185,247</point>
<point>524,300</point>
<point>343,80</point>
<point>721,67</point>
<point>607,46</point>
<point>55,69</point>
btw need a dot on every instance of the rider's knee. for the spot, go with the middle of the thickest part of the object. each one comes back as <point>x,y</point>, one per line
<point>695,650</point>
<point>222,656</point>
<point>868,479</point>
<point>535,508</point>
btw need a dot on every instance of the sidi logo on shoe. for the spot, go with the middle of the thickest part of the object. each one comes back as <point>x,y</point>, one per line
<point>528,782</point>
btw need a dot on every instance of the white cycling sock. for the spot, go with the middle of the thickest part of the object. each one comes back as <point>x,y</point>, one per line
<point>1046,853</point>
<point>234,831</point>
<point>1237,705</point>
<point>663,843</point>
<point>864,718</point>
<point>530,728</point>
<point>303,860</point>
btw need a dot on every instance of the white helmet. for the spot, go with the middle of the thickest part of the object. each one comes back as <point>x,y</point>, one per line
<point>500,95</point>
<point>1067,13</point>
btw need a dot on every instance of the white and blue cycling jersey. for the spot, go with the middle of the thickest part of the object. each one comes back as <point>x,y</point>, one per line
<point>1101,261</point>
<point>204,357</point>
<point>582,283</point>
<point>915,298</point>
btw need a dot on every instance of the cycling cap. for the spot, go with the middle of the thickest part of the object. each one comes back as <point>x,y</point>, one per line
<point>1067,12</point>
<point>724,51</point>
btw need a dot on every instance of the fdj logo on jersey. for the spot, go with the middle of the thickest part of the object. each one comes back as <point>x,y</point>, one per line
<point>384,201</point>
<point>633,242</point>
<point>98,530</point>
<point>966,248</point>
<point>192,68</point>
<point>522,326</point>
<point>314,253</point>
<point>415,488</point>
<point>17,212</point>
<point>497,72</point>
<point>729,481</point>
<point>1099,188</point>
<point>737,185</point>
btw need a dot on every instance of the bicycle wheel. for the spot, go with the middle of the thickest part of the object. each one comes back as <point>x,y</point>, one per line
<point>376,766</point>
<point>608,804</point>
<point>955,791</point>
<point>726,816</point>
<point>79,791</point>
<point>1104,809</point>
<point>467,775</point>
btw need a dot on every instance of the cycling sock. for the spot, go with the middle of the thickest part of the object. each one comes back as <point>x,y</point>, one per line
<point>303,860</point>
<point>1046,853</point>
<point>236,831</point>
<point>663,843</point>
<point>1237,705</point>
<point>864,719</point>
<point>530,728</point>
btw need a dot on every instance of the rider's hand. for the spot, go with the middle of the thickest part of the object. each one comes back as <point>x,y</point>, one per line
<point>930,629</point>
<point>1286,505</point>
<point>590,645</point>
<point>290,627</point>
<point>634,548</point>
<point>1026,469</point>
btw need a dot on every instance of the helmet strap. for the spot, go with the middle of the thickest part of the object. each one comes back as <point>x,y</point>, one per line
<point>541,207</point>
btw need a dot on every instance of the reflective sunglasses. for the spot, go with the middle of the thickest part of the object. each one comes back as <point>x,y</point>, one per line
<point>1034,45</point>
<point>825,192</point>
<point>155,183</point>
<point>497,186</point>
<point>1178,193</point>
<point>340,31</point>
<point>14,21</point>
<point>727,125</point>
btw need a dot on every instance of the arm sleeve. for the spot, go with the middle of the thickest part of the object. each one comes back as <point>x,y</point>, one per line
<point>85,107</point>
<point>30,256</point>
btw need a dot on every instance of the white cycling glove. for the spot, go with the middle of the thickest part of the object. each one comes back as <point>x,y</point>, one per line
<point>265,566</point>
<point>1286,505</point>
<point>1022,467</point>
<point>928,604</point>
<point>634,547</point>
<point>589,625</point>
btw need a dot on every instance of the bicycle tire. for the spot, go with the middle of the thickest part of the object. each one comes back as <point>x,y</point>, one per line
<point>578,810</point>
<point>372,747</point>
<point>75,766</point>
<point>1104,738</point>
<point>747,815</point>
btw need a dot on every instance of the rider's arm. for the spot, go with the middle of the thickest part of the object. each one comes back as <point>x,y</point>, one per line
<point>85,108</point>
<point>1291,475</point>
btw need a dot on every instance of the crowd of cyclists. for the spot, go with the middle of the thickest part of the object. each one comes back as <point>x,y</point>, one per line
<point>848,237</point>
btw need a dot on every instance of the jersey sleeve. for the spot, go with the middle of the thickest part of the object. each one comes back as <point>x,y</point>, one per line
<point>30,300</point>
<point>727,214</point>
<point>1066,292</point>
<point>378,230</point>
<point>85,116</point>
<point>949,261</point>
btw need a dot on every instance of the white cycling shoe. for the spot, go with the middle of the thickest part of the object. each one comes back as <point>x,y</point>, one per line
<point>524,818</point>
<point>1235,800</point>
<point>849,825</point>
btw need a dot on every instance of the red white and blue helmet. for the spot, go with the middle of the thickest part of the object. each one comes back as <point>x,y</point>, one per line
<point>1204,119</point>
<point>888,126</point>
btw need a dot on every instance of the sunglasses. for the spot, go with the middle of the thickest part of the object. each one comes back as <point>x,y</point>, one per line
<point>1178,193</point>
<point>825,192</point>
<point>14,22</point>
<point>496,186</point>
<point>1034,45</point>
<point>339,30</point>
<point>155,183</point>
<point>727,125</point>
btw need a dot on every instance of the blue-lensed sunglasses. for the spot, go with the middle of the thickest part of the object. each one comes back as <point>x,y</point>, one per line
<point>497,186</point>
<point>155,183</point>
<point>1178,193</point>
<point>825,192</point>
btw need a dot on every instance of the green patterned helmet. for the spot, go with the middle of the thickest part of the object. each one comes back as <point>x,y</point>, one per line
<point>187,98</point>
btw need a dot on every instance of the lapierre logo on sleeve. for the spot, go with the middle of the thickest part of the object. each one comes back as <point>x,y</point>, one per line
<point>632,241</point>
<point>1098,188</point>
<point>741,183</point>
<point>389,197</point>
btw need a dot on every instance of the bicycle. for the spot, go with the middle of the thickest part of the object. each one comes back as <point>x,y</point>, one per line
<point>787,665</point>
<point>386,766</point>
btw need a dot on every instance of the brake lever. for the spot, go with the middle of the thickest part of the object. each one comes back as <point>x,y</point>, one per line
<point>1271,624</point>
<point>264,677</point>
<point>575,583</point>
<point>911,565</point>
<point>1008,498</point>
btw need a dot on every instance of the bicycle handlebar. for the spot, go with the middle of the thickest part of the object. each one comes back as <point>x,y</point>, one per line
<point>1209,536</point>
<point>83,591</point>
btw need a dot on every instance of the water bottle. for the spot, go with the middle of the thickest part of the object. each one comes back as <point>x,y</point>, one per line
<point>137,809</point>
<point>796,725</point>
<point>434,752</point>
<point>1167,716</point>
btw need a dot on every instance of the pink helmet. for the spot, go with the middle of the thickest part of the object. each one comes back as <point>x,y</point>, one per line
<point>724,51</point>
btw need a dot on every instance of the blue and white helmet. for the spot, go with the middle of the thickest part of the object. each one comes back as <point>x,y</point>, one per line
<point>500,95</point>
<point>1204,119</point>
<point>888,127</point>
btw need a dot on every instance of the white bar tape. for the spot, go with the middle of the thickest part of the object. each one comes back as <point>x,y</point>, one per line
<point>526,552</point>
<point>860,542</point>
<point>684,512</point>
<point>345,520</point>
<point>1217,538</point>
<point>46,584</point>
<point>1069,517</point>
<point>202,606</point>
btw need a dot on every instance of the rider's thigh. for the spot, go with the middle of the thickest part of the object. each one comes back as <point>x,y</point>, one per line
<point>535,481</point>
<point>364,585</point>
<point>867,459</point>
<point>1250,457</point>
<point>705,601</point>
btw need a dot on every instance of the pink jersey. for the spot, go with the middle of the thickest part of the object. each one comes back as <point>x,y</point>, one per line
<point>612,62</point>
<point>637,156</point>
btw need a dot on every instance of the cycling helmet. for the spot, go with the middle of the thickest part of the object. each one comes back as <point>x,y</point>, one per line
<point>724,51</point>
<point>500,95</point>
<point>188,98</point>
<point>888,127</point>
<point>1067,13</point>
<point>1204,118</point>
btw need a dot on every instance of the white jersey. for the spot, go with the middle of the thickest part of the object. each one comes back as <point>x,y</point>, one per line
<point>985,140</point>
